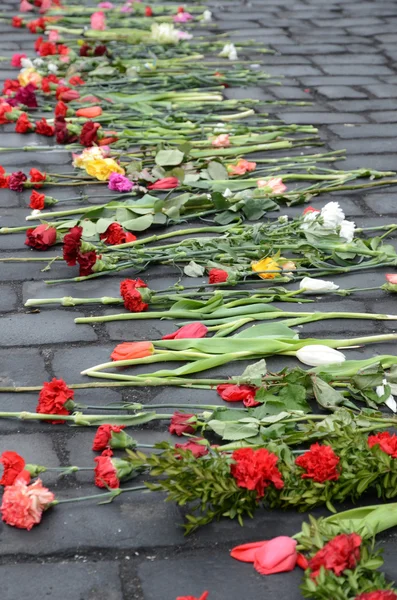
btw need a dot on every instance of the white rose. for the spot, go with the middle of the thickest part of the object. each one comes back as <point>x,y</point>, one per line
<point>332,215</point>
<point>317,355</point>
<point>347,231</point>
<point>317,286</point>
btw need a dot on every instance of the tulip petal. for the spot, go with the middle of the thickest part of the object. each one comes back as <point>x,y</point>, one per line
<point>246,552</point>
<point>277,556</point>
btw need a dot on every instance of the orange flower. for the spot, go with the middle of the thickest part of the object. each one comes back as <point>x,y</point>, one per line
<point>266,264</point>
<point>242,167</point>
<point>221,141</point>
<point>90,113</point>
<point>130,350</point>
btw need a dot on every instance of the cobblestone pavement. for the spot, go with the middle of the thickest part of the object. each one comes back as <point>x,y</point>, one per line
<point>339,54</point>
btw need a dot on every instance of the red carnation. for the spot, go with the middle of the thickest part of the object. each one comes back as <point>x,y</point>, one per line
<point>10,86</point>
<point>104,435</point>
<point>85,50</point>
<point>47,49</point>
<point>37,177</point>
<point>37,201</point>
<point>115,234</point>
<point>190,331</point>
<point>71,245</point>
<point>4,179</point>
<point>320,464</point>
<point>100,50</point>
<point>41,238</point>
<point>167,183</point>
<point>341,553</point>
<point>195,448</point>
<point>53,398</point>
<point>61,109</point>
<point>386,442</point>
<point>63,50</point>
<point>23,125</point>
<point>148,11</point>
<point>44,128</point>
<point>238,393</point>
<point>46,83</point>
<point>76,80</point>
<point>217,276</point>
<point>36,26</point>
<point>86,261</point>
<point>105,471</point>
<point>256,470</point>
<point>179,423</point>
<point>132,296</point>
<point>17,22</point>
<point>62,133</point>
<point>13,465</point>
<point>378,595</point>
<point>16,181</point>
<point>89,134</point>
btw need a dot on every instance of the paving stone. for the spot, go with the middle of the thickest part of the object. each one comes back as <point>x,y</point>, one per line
<point>28,369</point>
<point>321,118</point>
<point>8,298</point>
<point>366,146</point>
<point>339,91</point>
<point>62,581</point>
<point>364,131</point>
<point>375,70</point>
<point>365,105</point>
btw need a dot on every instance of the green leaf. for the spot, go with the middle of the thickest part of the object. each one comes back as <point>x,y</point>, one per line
<point>139,224</point>
<point>325,395</point>
<point>169,158</point>
<point>254,373</point>
<point>194,270</point>
<point>216,170</point>
<point>233,431</point>
<point>103,224</point>
<point>89,229</point>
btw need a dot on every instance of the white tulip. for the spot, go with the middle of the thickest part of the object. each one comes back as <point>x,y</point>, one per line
<point>347,231</point>
<point>317,355</point>
<point>390,402</point>
<point>332,215</point>
<point>164,33</point>
<point>317,286</point>
<point>207,16</point>
<point>33,215</point>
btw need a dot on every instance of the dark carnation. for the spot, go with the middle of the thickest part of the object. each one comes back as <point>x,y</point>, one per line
<point>86,261</point>
<point>71,245</point>
<point>44,128</point>
<point>16,181</point>
<point>256,470</point>
<point>26,96</point>
<point>89,134</point>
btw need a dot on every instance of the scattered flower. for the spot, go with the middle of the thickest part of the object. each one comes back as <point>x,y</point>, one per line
<point>182,423</point>
<point>338,555</point>
<point>190,331</point>
<point>195,448</point>
<point>23,505</point>
<point>41,237</point>
<point>275,184</point>
<point>132,350</point>
<point>217,276</point>
<point>256,470</point>
<point>103,436</point>
<point>277,555</point>
<point>229,51</point>
<point>242,167</point>
<point>386,441</point>
<point>13,465</point>
<point>238,393</point>
<point>320,463</point>
<point>264,268</point>
<point>53,399</point>
<point>167,183</point>
<point>221,141</point>
<point>316,355</point>
<point>317,286</point>
<point>105,471</point>
<point>98,21</point>
<point>120,183</point>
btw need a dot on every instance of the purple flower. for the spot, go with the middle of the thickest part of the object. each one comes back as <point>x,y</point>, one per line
<point>16,181</point>
<point>119,183</point>
<point>25,95</point>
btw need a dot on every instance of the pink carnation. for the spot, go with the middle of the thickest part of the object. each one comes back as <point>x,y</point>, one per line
<point>98,21</point>
<point>182,17</point>
<point>119,183</point>
<point>16,60</point>
<point>23,504</point>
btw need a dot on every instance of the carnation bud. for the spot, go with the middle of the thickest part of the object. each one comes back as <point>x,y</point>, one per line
<point>35,470</point>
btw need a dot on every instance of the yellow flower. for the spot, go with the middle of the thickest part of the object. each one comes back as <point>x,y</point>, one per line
<point>266,264</point>
<point>102,168</point>
<point>29,75</point>
<point>88,155</point>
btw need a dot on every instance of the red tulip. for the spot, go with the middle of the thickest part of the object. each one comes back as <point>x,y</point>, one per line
<point>192,330</point>
<point>167,183</point>
<point>278,555</point>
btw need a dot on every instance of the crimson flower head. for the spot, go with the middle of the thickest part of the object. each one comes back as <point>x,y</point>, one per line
<point>61,109</point>
<point>42,237</point>
<point>26,96</point>
<point>47,81</point>
<point>237,393</point>
<point>129,291</point>
<point>53,398</point>
<point>341,553</point>
<point>37,177</point>
<point>100,50</point>
<point>23,505</point>
<point>217,276</point>
<point>89,134</point>
<point>148,11</point>
<point>180,425</point>
<point>44,128</point>
<point>16,181</point>
<point>17,22</point>
<point>86,262</point>
<point>105,471</point>
<point>10,86</point>
<point>5,109</point>
<point>203,596</point>
<point>167,183</point>
<point>386,441</point>
<point>378,595</point>
<point>37,201</point>
<point>256,470</point>
<point>320,464</point>
<point>190,331</point>
<point>47,49</point>
<point>115,234</point>
<point>13,465</point>
<point>71,245</point>
<point>194,447</point>
<point>104,435</point>
<point>23,125</point>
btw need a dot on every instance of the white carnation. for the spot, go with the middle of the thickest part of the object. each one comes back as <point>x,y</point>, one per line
<point>332,215</point>
<point>347,231</point>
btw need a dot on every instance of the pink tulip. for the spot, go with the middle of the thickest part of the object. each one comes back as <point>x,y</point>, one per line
<point>98,21</point>
<point>276,185</point>
<point>25,6</point>
<point>278,555</point>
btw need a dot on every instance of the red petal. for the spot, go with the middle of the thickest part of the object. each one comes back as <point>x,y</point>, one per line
<point>246,552</point>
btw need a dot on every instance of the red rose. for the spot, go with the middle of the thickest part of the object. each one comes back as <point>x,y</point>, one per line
<point>41,238</point>
<point>148,11</point>
<point>237,393</point>
<point>196,449</point>
<point>217,276</point>
<point>53,397</point>
<point>44,128</point>
<point>17,22</point>
<point>341,553</point>
<point>190,331</point>
<point>386,442</point>
<point>131,295</point>
<point>61,109</point>
<point>89,134</point>
<point>16,181</point>
<point>23,125</point>
<point>103,436</point>
<point>167,183</point>
<point>10,86</point>
<point>115,234</point>
<point>320,464</point>
<point>179,424</point>
<point>86,261</point>
<point>37,177</point>
<point>256,470</point>
<point>378,595</point>
<point>37,201</point>
<point>13,465</point>
<point>71,245</point>
<point>105,471</point>
<point>46,81</point>
<point>47,49</point>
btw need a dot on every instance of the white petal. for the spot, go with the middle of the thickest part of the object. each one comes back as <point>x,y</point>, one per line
<point>316,355</point>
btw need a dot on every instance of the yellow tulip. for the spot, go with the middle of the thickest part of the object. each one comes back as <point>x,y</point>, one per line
<point>266,264</point>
